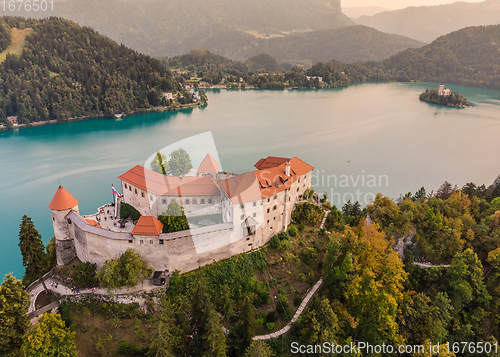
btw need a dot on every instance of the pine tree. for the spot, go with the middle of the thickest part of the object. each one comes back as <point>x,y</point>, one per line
<point>14,303</point>
<point>32,249</point>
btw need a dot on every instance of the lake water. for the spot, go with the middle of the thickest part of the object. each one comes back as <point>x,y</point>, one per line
<point>363,139</point>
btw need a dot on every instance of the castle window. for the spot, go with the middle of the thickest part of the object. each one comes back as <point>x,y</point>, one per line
<point>161,241</point>
<point>164,201</point>
<point>202,201</point>
<point>125,185</point>
<point>69,221</point>
<point>130,188</point>
<point>261,203</point>
<point>195,201</point>
<point>53,219</point>
<point>298,189</point>
<point>209,201</point>
<point>151,197</point>
<point>187,201</point>
<point>304,185</point>
<point>274,218</point>
<point>142,194</point>
<point>275,196</point>
<point>255,214</point>
<point>254,203</point>
<point>150,241</point>
<point>135,191</point>
<point>274,208</point>
<point>242,205</point>
<point>242,216</point>
<point>268,210</point>
<point>141,241</point>
<point>299,179</point>
<point>267,221</point>
<point>130,241</point>
<point>269,199</point>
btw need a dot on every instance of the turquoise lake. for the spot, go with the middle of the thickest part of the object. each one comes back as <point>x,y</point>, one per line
<point>363,139</point>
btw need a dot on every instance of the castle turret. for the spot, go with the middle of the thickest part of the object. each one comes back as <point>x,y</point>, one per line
<point>61,205</point>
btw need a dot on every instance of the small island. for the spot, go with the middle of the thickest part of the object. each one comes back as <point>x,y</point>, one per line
<point>444,96</point>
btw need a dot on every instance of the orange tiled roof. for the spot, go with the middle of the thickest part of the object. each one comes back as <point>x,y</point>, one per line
<point>264,183</point>
<point>270,161</point>
<point>208,165</point>
<point>62,200</point>
<point>162,185</point>
<point>148,226</point>
<point>93,223</point>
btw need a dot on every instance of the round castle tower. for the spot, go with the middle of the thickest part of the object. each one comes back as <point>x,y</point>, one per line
<point>61,205</point>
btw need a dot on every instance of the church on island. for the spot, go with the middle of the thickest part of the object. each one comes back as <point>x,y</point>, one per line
<point>227,213</point>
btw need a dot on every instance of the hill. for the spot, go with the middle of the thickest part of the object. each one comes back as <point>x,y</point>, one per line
<point>426,23</point>
<point>467,57</point>
<point>355,12</point>
<point>347,44</point>
<point>157,27</point>
<point>263,62</point>
<point>66,70</point>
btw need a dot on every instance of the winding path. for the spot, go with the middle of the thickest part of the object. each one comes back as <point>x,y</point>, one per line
<point>302,306</point>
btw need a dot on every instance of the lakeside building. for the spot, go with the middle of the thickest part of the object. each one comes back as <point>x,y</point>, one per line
<point>443,91</point>
<point>227,213</point>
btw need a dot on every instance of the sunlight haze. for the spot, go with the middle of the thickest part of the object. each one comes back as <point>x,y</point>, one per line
<point>397,4</point>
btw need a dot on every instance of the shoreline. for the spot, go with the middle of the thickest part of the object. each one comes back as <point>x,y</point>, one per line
<point>118,116</point>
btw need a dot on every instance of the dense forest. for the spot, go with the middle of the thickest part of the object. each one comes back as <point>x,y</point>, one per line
<point>4,35</point>
<point>66,71</point>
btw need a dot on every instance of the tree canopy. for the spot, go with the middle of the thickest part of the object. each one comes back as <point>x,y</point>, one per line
<point>179,163</point>
<point>127,270</point>
<point>32,250</point>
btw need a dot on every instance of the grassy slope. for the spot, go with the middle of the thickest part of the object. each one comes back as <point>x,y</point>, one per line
<point>18,41</point>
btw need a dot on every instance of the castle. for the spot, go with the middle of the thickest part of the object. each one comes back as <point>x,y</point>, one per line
<point>227,213</point>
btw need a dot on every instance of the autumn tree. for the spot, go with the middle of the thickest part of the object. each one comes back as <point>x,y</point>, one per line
<point>32,250</point>
<point>159,163</point>
<point>179,163</point>
<point>49,337</point>
<point>445,190</point>
<point>14,303</point>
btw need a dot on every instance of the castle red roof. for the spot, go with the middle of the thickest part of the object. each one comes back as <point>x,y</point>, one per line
<point>208,165</point>
<point>162,185</point>
<point>62,200</point>
<point>147,226</point>
<point>270,161</point>
<point>93,223</point>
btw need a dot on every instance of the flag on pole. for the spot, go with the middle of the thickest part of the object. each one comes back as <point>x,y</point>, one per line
<point>116,192</point>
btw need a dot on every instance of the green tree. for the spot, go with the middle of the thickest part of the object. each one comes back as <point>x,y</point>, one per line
<point>215,339</point>
<point>49,337</point>
<point>259,349</point>
<point>14,303</point>
<point>84,274</point>
<point>128,270</point>
<point>319,324</point>
<point>32,250</point>
<point>179,163</point>
<point>161,341</point>
<point>247,318</point>
<point>174,219</point>
<point>159,163</point>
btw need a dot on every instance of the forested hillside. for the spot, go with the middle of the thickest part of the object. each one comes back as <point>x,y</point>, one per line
<point>426,23</point>
<point>347,44</point>
<point>4,36</point>
<point>169,28</point>
<point>66,70</point>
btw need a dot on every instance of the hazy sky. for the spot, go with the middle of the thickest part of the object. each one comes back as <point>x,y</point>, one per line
<point>398,4</point>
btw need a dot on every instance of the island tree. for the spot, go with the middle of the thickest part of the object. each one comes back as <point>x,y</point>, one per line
<point>173,219</point>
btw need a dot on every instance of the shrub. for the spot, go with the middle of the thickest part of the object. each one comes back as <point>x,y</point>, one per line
<point>302,226</point>
<point>297,301</point>
<point>292,231</point>
<point>271,316</point>
<point>127,211</point>
<point>322,231</point>
<point>272,282</point>
<point>270,325</point>
<point>283,236</point>
<point>274,242</point>
<point>283,309</point>
<point>285,245</point>
<point>84,275</point>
